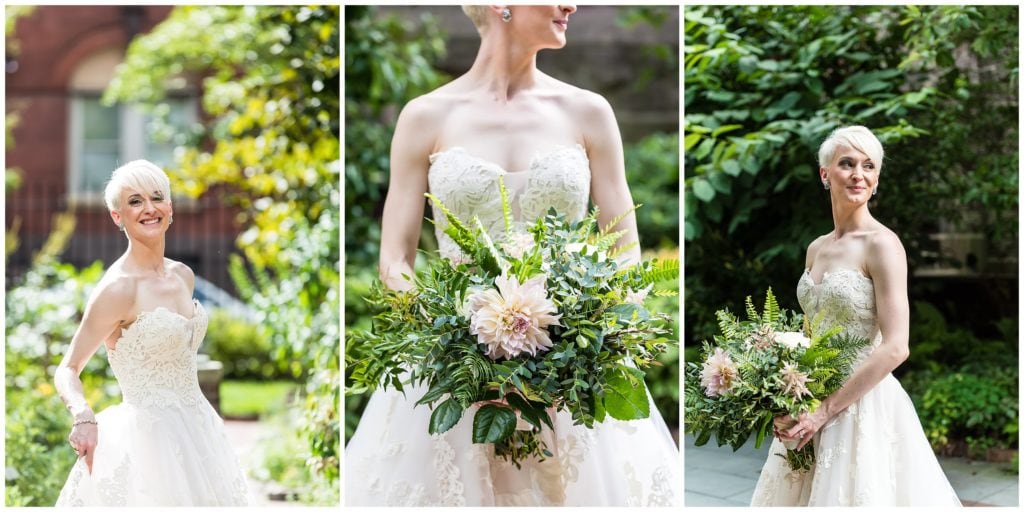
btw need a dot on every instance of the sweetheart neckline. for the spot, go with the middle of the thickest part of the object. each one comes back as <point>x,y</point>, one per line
<point>538,156</point>
<point>825,276</point>
<point>196,306</point>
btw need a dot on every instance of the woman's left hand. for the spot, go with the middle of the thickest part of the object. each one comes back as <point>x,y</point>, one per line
<point>808,424</point>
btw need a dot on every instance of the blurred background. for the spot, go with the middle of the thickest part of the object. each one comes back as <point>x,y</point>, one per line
<point>764,86</point>
<point>629,55</point>
<point>240,106</point>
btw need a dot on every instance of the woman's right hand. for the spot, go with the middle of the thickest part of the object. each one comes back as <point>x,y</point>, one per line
<point>83,439</point>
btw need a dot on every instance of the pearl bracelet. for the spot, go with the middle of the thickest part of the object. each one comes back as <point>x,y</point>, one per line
<point>84,422</point>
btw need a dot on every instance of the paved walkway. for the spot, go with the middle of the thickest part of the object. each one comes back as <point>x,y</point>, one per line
<point>717,477</point>
<point>245,436</point>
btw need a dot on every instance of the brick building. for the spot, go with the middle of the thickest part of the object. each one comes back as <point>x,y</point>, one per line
<point>66,142</point>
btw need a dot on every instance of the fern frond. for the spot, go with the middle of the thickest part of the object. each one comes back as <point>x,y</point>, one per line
<point>660,270</point>
<point>666,293</point>
<point>618,218</point>
<point>605,242</point>
<point>771,307</point>
<point>506,210</point>
<point>489,244</point>
<point>456,229</point>
<point>615,252</point>
<point>751,311</point>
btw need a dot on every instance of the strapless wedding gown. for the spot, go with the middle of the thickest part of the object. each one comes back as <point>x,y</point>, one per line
<point>391,460</point>
<point>875,452</point>
<point>164,445</point>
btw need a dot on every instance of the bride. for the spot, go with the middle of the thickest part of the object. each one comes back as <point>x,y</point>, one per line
<point>870,447</point>
<point>556,146</point>
<point>164,444</point>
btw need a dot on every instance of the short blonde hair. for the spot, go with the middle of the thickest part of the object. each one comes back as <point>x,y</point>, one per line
<point>477,14</point>
<point>856,137</point>
<point>142,176</point>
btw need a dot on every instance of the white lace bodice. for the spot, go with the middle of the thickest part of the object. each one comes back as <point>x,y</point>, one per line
<point>848,298</point>
<point>468,186</point>
<point>154,360</point>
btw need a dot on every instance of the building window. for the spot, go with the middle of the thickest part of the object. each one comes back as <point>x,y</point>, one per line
<point>101,137</point>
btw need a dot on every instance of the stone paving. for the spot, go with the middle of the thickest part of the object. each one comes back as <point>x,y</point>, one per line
<point>717,477</point>
<point>245,436</point>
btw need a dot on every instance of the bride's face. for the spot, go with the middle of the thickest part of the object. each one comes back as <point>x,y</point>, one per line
<point>852,176</point>
<point>144,216</point>
<point>541,25</point>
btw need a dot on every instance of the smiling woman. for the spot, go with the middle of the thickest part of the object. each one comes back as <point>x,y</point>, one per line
<point>164,444</point>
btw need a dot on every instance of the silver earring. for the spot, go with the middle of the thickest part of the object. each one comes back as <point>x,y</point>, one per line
<point>825,184</point>
<point>120,226</point>
<point>506,15</point>
<point>874,192</point>
<point>170,220</point>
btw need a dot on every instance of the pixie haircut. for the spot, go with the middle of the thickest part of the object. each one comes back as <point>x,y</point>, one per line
<point>477,14</point>
<point>856,137</point>
<point>141,176</point>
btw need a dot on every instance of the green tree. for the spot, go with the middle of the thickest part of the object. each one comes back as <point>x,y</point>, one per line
<point>270,82</point>
<point>766,84</point>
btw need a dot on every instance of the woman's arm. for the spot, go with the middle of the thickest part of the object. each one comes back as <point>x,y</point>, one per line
<point>403,207</point>
<point>887,264</point>
<point>103,314</point>
<point>608,187</point>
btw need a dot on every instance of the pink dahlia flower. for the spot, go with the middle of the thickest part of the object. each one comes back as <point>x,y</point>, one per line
<point>513,319</point>
<point>719,374</point>
<point>794,381</point>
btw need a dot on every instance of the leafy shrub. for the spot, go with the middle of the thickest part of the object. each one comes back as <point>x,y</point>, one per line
<point>243,347</point>
<point>652,169</point>
<point>977,404</point>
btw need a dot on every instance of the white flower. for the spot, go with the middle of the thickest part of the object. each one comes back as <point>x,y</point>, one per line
<point>638,296</point>
<point>517,244</point>
<point>793,339</point>
<point>514,318</point>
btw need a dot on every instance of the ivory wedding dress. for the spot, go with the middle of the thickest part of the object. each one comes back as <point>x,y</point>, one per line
<point>392,460</point>
<point>874,453</point>
<point>164,444</point>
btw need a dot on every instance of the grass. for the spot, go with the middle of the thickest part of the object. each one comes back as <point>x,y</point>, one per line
<point>252,399</point>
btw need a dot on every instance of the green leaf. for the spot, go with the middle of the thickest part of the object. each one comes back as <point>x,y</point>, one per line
<point>625,400</point>
<point>703,190</point>
<point>445,416</point>
<point>493,423</point>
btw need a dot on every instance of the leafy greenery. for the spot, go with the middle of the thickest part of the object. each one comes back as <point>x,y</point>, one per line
<point>598,346</point>
<point>387,64</point>
<point>766,84</point>
<point>271,96</point>
<point>750,374</point>
<point>42,313</point>
<point>976,404</point>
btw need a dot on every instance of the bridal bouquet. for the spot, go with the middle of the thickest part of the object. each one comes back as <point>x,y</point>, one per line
<point>537,320</point>
<point>768,365</point>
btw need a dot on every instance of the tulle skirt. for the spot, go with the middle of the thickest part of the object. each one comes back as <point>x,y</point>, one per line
<point>391,460</point>
<point>874,453</point>
<point>158,456</point>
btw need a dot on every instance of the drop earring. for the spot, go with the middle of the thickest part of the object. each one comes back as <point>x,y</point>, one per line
<point>824,183</point>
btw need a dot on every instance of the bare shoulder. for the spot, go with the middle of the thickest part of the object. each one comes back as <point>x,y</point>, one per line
<point>182,271</point>
<point>883,243</point>
<point>115,291</point>
<point>812,249</point>
<point>587,106</point>
<point>420,121</point>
